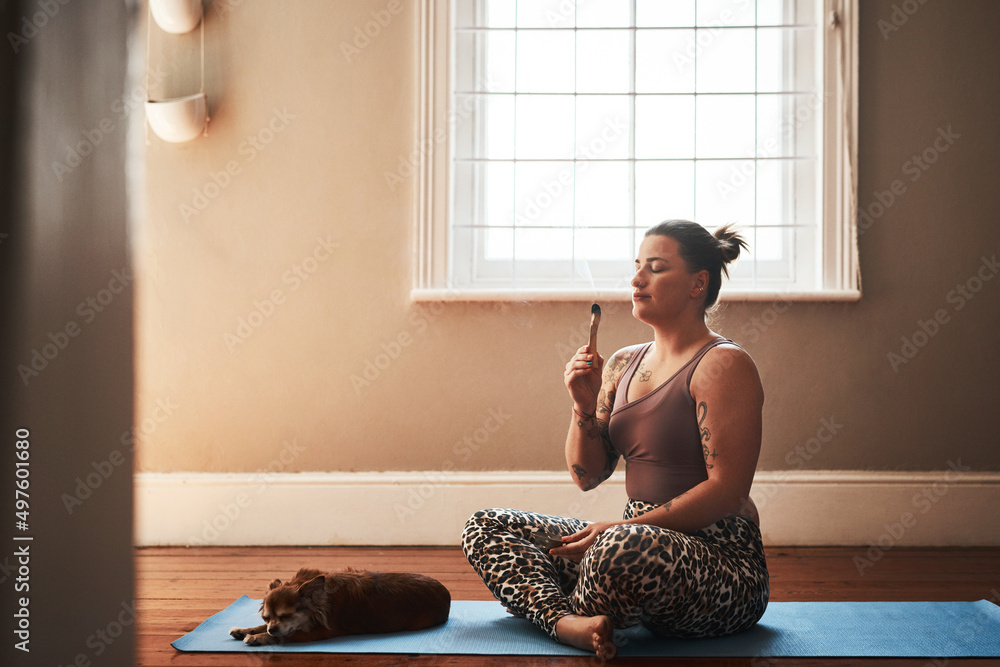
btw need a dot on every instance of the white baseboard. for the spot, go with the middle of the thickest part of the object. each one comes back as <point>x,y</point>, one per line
<point>878,510</point>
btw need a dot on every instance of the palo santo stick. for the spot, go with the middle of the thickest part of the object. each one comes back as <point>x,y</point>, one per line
<point>595,321</point>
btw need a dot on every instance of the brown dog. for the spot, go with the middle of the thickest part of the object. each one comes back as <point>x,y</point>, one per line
<point>315,605</point>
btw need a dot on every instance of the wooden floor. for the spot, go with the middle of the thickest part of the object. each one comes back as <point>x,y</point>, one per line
<point>179,588</point>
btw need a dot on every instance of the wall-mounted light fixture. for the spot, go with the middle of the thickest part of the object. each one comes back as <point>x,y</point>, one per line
<point>177,16</point>
<point>177,119</point>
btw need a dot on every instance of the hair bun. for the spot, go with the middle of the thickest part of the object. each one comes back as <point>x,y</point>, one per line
<point>730,244</point>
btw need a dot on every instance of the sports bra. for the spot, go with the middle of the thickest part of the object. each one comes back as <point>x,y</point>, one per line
<point>658,434</point>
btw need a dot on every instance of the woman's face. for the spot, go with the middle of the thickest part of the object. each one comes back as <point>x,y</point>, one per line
<point>662,286</point>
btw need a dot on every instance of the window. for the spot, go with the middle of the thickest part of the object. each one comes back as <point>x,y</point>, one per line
<point>554,132</point>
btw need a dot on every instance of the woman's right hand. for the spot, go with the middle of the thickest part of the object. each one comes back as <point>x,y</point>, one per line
<point>583,379</point>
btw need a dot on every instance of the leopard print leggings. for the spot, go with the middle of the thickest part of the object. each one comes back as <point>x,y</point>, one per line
<point>711,583</point>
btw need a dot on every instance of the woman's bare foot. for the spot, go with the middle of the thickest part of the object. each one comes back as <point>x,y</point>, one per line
<point>591,633</point>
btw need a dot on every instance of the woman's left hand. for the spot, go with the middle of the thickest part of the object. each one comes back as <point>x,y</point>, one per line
<point>576,545</point>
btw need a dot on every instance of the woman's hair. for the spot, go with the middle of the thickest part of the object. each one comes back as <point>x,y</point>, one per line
<point>703,251</point>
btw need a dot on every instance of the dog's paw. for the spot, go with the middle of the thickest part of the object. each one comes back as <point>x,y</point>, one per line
<point>237,633</point>
<point>263,639</point>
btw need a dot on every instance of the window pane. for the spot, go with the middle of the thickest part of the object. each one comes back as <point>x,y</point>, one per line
<point>499,244</point>
<point>602,14</point>
<point>716,204</point>
<point>499,127</point>
<point>787,125</point>
<point>499,62</point>
<point>664,61</point>
<point>664,13</point>
<point>543,13</point>
<point>544,127</point>
<point>770,12</point>
<point>602,58</point>
<point>602,127</point>
<point>602,194</point>
<point>791,122</point>
<point>726,60</point>
<point>770,60</point>
<point>500,13</point>
<point>725,12</point>
<point>543,194</point>
<point>499,195</point>
<point>735,178</point>
<point>768,244</point>
<point>563,15</point>
<point>543,244</point>
<point>771,175</point>
<point>603,244</point>
<point>545,61</point>
<point>663,190</point>
<point>732,123</point>
<point>664,127</point>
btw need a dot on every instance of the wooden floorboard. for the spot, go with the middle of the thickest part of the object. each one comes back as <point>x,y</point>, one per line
<point>178,588</point>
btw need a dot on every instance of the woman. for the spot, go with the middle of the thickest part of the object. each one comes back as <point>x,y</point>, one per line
<point>684,410</point>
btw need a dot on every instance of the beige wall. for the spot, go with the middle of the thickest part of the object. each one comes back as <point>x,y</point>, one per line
<point>478,386</point>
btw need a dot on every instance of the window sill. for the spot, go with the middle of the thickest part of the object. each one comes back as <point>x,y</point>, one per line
<point>428,295</point>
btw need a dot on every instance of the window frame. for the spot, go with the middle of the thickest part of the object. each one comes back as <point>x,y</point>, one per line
<point>432,166</point>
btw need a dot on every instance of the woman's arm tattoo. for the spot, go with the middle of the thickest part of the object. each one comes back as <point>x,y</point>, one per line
<point>705,434</point>
<point>589,426</point>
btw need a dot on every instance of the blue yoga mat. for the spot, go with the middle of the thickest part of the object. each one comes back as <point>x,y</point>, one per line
<point>788,629</point>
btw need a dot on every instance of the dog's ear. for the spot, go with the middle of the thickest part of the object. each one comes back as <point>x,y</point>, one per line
<point>274,584</point>
<point>312,595</point>
<point>313,586</point>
